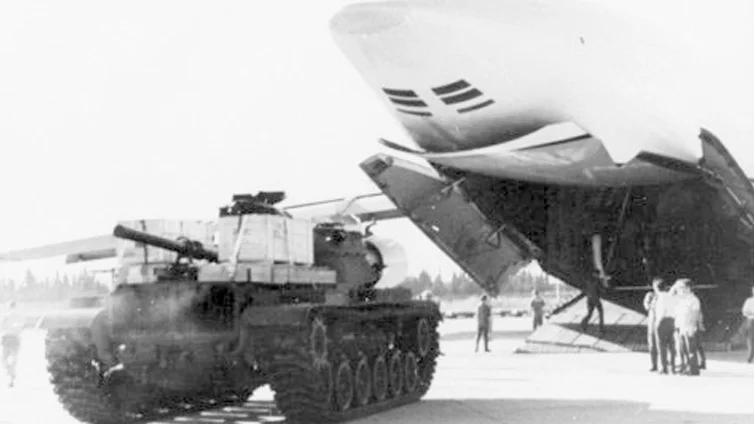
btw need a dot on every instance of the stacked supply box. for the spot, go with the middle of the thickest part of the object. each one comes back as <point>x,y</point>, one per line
<point>131,252</point>
<point>266,238</point>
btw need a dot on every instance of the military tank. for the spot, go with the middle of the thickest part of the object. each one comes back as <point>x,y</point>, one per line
<point>214,326</point>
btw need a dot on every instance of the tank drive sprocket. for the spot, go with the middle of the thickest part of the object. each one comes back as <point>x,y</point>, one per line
<point>77,379</point>
<point>78,383</point>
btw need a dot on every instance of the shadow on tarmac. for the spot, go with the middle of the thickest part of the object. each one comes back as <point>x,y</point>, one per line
<point>547,411</point>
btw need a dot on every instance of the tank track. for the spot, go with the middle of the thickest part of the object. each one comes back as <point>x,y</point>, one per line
<point>77,382</point>
<point>327,372</point>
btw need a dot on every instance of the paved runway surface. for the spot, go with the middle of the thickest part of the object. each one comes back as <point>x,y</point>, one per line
<point>497,387</point>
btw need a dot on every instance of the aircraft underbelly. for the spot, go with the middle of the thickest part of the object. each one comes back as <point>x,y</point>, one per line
<point>578,161</point>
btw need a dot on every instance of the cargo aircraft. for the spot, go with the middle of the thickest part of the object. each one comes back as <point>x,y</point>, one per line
<point>545,123</point>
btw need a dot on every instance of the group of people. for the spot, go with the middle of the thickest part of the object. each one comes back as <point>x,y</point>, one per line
<point>674,324</point>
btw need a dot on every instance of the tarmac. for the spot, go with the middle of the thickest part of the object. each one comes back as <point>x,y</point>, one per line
<point>496,387</point>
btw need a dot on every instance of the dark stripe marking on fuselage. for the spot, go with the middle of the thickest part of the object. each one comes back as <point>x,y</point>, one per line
<point>458,98</point>
<point>414,112</point>
<point>400,93</point>
<point>451,88</point>
<point>476,106</point>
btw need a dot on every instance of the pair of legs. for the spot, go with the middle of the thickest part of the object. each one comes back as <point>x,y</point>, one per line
<point>666,342</point>
<point>537,321</point>
<point>483,332</point>
<point>689,350</point>
<point>652,345</point>
<point>592,304</point>
<point>750,338</point>
<point>11,345</point>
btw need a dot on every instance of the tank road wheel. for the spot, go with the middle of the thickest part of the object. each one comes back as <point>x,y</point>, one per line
<point>379,379</point>
<point>423,338</point>
<point>344,386</point>
<point>410,372</point>
<point>395,373</point>
<point>363,382</point>
<point>318,341</point>
<point>324,370</point>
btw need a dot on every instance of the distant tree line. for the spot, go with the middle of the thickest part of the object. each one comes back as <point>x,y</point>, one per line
<point>58,288</point>
<point>462,286</point>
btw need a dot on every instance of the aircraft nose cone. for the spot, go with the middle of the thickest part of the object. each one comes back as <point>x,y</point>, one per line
<point>369,18</point>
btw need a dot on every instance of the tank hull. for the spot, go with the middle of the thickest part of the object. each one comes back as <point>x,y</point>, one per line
<point>158,349</point>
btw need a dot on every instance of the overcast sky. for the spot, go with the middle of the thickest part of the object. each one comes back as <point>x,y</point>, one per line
<point>150,109</point>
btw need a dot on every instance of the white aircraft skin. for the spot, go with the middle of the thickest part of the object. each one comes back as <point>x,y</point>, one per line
<point>470,78</point>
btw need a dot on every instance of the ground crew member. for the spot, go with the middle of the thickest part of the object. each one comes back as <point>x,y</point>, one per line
<point>600,279</point>
<point>665,328</point>
<point>593,293</point>
<point>701,329</point>
<point>537,305</point>
<point>12,325</point>
<point>687,323</point>
<point>650,300</point>
<point>748,311</point>
<point>484,317</point>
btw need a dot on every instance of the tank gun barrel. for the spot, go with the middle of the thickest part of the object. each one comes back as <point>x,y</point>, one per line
<point>186,248</point>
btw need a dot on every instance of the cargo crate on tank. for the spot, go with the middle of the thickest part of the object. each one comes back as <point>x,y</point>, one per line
<point>268,238</point>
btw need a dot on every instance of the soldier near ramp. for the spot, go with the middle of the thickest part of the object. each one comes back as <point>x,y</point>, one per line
<point>484,318</point>
<point>748,312</point>
<point>599,280</point>
<point>12,324</point>
<point>537,305</point>
<point>593,292</point>
<point>650,301</point>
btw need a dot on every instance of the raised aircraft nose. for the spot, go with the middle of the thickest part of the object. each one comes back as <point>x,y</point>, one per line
<point>370,18</point>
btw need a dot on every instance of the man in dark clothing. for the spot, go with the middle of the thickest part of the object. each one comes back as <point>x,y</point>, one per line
<point>537,305</point>
<point>650,300</point>
<point>665,327</point>
<point>483,316</point>
<point>598,228</point>
<point>593,293</point>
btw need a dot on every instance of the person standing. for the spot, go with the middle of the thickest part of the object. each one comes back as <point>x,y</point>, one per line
<point>700,329</point>
<point>687,323</point>
<point>12,325</point>
<point>593,292</point>
<point>748,312</point>
<point>484,317</point>
<point>665,327</point>
<point>537,305</point>
<point>650,300</point>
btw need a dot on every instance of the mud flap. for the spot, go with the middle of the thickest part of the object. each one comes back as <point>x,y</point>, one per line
<point>723,173</point>
<point>442,211</point>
